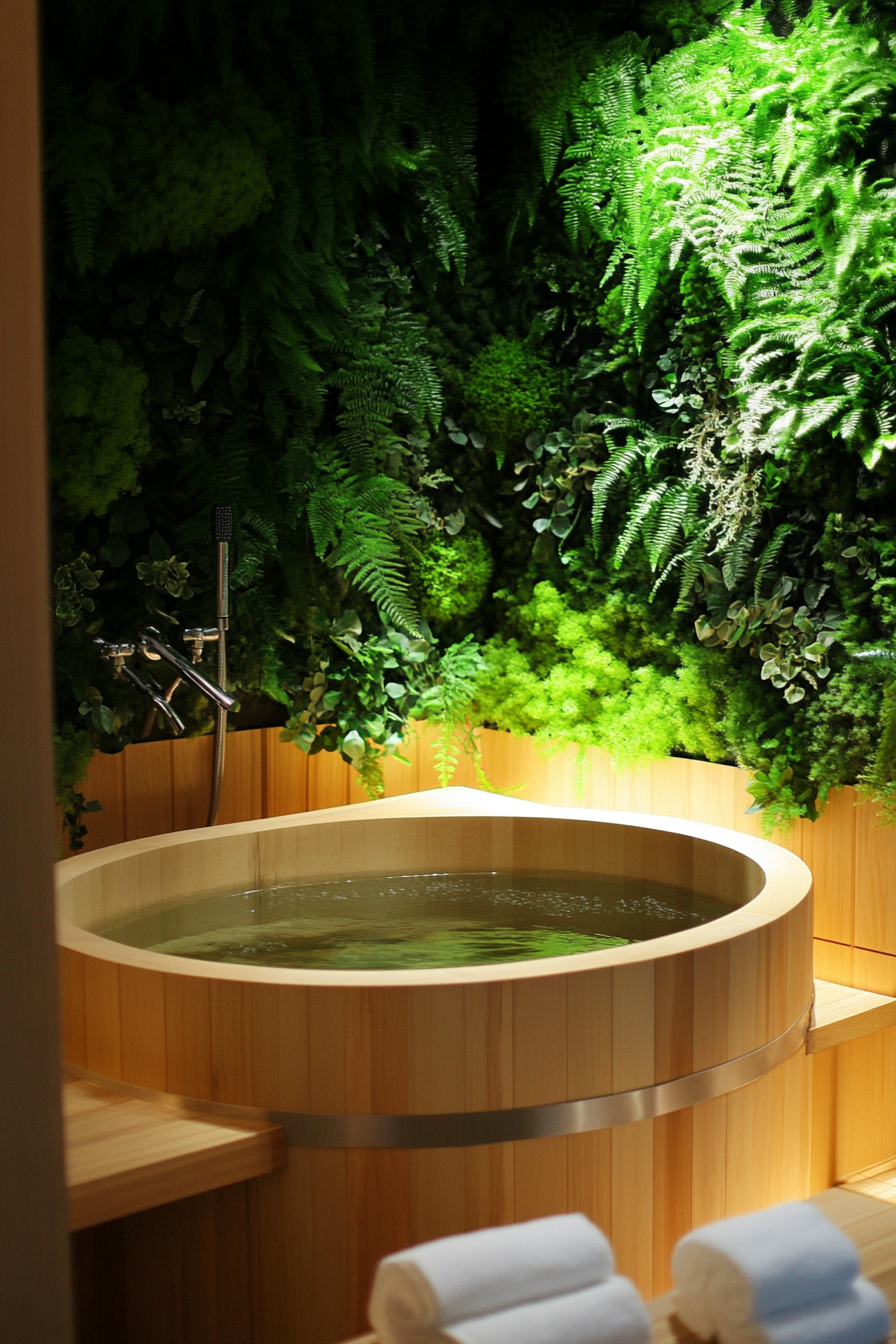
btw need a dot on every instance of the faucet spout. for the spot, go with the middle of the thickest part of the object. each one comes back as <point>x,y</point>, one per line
<point>150,643</point>
<point>155,696</point>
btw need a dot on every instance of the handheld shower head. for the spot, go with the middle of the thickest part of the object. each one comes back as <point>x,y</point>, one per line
<point>222,522</point>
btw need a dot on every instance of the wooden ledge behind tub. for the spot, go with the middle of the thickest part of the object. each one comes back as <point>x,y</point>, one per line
<point>869,1222</point>
<point>124,1154</point>
<point>843,1014</point>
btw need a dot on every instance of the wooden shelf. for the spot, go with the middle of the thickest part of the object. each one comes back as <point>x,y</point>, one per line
<point>124,1154</point>
<point>843,1014</point>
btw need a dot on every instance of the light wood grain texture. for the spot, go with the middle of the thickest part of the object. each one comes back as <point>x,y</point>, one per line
<point>471,1038</point>
<point>149,787</point>
<point>843,1014</point>
<point>285,776</point>
<point>191,762</point>
<point>124,1155</point>
<point>242,785</point>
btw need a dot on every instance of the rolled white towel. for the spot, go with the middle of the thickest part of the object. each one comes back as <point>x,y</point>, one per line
<point>759,1265</point>
<point>861,1315</point>
<point>610,1313</point>
<point>427,1287</point>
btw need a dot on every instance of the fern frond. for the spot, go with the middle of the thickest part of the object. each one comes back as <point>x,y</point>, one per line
<point>616,466</point>
<point>769,555</point>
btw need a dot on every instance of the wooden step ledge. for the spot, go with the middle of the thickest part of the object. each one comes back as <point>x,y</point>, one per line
<point>842,1014</point>
<point>124,1154</point>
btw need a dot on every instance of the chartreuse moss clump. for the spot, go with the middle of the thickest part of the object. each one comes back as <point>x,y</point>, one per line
<point>512,391</point>
<point>99,430</point>
<point>190,175</point>
<point>453,574</point>
<point>562,679</point>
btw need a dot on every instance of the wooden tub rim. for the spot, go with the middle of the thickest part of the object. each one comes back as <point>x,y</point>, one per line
<point>788,882</point>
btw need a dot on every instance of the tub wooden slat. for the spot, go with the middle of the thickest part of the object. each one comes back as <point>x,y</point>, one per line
<point>142,1004</point>
<point>102,1017</point>
<point>279,1051</point>
<point>590,1034</point>
<point>674,1017</point>
<point>540,1178</point>
<point>436,1074</point>
<point>188,1037</point>
<point>672,1185</point>
<point>231,1044</point>
<point>709,1145</point>
<point>632,1231</point>
<point>488,1046</point>
<point>540,1041</point>
<point>74,1007</point>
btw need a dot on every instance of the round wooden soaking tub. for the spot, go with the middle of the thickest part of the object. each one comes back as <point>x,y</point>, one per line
<point>652,1086</point>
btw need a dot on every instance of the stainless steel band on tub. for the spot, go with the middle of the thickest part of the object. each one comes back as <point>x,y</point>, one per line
<point>465,1129</point>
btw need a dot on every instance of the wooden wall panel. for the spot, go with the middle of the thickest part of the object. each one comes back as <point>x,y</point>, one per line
<point>329,782</point>
<point>285,775</point>
<point>191,762</point>
<point>149,790</point>
<point>106,782</point>
<point>241,787</point>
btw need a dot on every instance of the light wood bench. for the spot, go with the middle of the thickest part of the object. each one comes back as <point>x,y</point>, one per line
<point>869,1222</point>
<point>842,1014</point>
<point>124,1154</point>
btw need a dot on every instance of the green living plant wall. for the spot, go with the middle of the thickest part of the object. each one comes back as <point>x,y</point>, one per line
<point>543,352</point>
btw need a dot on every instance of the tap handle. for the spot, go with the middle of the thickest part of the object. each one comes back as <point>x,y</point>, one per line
<point>159,701</point>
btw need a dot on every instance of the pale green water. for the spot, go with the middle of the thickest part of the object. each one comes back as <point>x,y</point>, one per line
<point>420,921</point>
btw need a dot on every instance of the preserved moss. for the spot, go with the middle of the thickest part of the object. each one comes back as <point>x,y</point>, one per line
<point>453,574</point>
<point>99,430</point>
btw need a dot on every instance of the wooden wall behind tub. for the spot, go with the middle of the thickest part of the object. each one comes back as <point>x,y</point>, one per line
<point>457,1040</point>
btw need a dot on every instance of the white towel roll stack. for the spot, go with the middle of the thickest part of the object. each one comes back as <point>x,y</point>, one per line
<point>417,1293</point>
<point>759,1265</point>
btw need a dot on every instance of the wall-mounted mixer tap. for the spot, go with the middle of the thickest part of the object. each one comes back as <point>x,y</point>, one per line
<point>152,646</point>
<point>117,654</point>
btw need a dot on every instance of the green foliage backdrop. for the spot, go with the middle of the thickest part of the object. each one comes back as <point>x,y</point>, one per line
<point>544,353</point>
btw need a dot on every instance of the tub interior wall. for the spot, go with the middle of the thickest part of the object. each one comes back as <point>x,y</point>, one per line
<point>145,882</point>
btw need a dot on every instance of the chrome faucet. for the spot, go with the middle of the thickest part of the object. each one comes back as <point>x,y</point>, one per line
<point>152,646</point>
